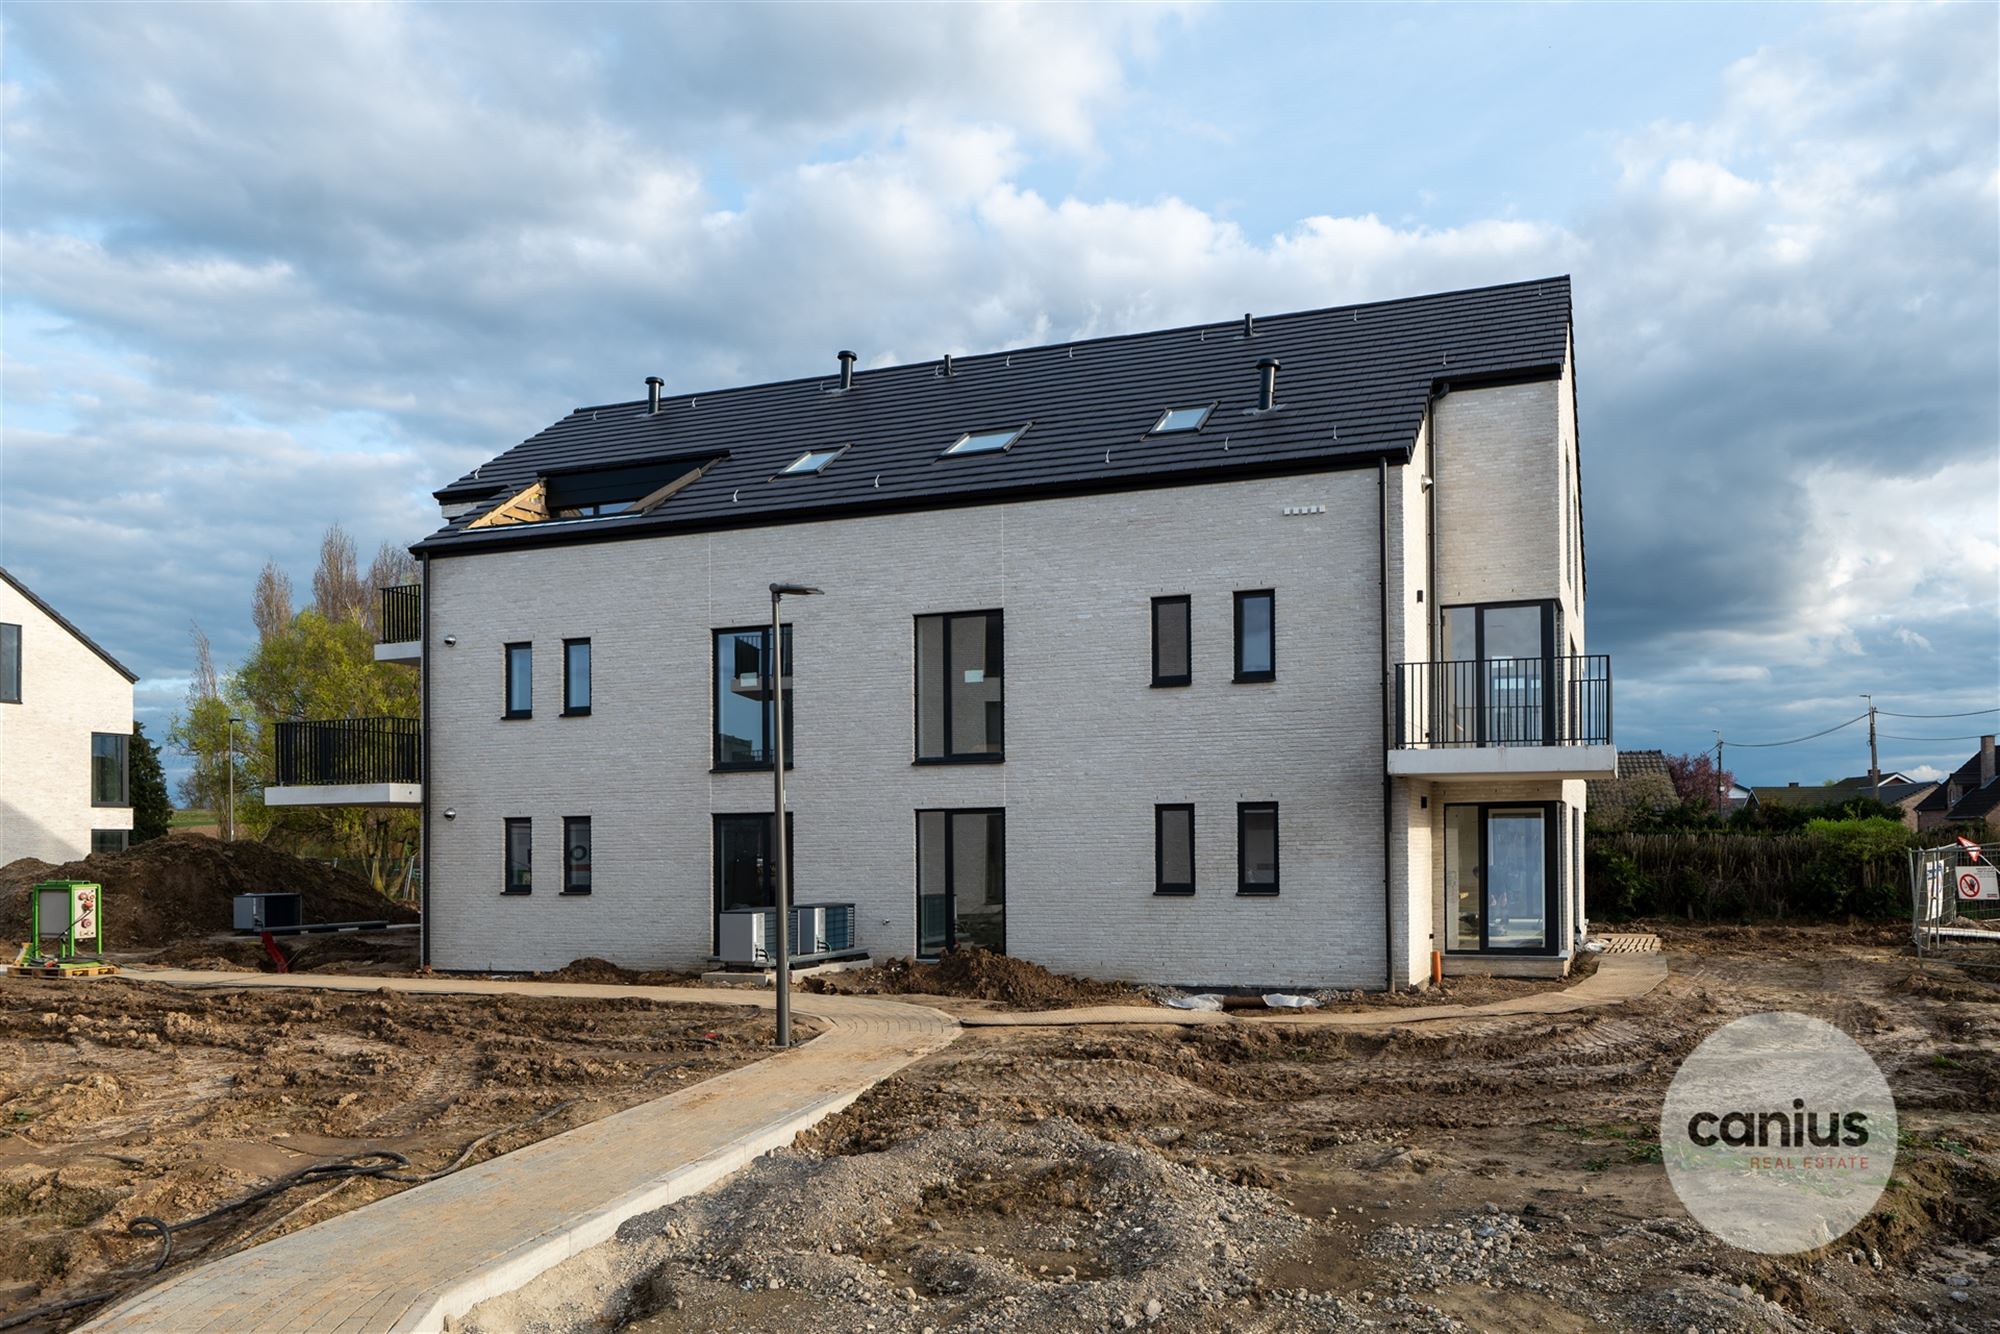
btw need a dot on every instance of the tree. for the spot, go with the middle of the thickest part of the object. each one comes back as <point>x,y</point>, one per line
<point>1697,780</point>
<point>202,733</point>
<point>338,593</point>
<point>152,813</point>
<point>271,604</point>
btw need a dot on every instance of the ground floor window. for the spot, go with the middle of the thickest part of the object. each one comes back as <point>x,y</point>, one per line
<point>520,872</point>
<point>110,840</point>
<point>746,874</point>
<point>1500,872</point>
<point>961,880</point>
<point>576,854</point>
<point>1257,847</point>
<point>1173,849</point>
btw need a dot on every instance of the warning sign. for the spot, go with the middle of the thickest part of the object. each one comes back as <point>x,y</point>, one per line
<point>1978,884</point>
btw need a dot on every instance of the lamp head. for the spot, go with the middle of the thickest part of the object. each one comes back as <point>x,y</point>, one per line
<point>792,590</point>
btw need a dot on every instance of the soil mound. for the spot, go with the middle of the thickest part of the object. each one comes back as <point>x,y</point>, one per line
<point>173,889</point>
<point>603,971</point>
<point>977,975</point>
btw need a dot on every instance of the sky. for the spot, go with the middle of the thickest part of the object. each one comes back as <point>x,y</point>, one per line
<point>263,269</point>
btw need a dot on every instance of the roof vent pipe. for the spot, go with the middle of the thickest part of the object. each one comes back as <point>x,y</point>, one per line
<point>1249,326</point>
<point>846,370</point>
<point>1267,384</point>
<point>947,365</point>
<point>653,384</point>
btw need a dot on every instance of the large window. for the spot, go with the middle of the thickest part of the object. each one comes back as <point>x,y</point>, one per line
<point>1173,849</point>
<point>520,872</point>
<point>110,840</point>
<point>960,691</point>
<point>961,881</point>
<point>520,680</point>
<point>1256,636</point>
<point>109,778</point>
<point>743,699</point>
<point>1257,847</point>
<point>1500,870</point>
<point>576,678</point>
<point>746,865</point>
<point>576,854</point>
<point>10,664</point>
<point>1172,651</point>
<point>1500,688</point>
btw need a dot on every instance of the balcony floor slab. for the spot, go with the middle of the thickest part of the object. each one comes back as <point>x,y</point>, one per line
<point>346,794</point>
<point>1447,764</point>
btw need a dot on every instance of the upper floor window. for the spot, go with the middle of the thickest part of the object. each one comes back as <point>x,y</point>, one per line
<point>10,664</point>
<point>109,778</point>
<point>1182,419</point>
<point>520,680</point>
<point>1172,665</point>
<point>743,710</point>
<point>1257,847</point>
<point>576,854</point>
<point>961,693</point>
<point>520,852</point>
<point>986,442</point>
<point>576,677</point>
<point>1256,636</point>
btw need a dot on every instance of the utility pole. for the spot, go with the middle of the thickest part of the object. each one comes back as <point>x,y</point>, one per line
<point>1874,766</point>
<point>230,832</point>
<point>1718,775</point>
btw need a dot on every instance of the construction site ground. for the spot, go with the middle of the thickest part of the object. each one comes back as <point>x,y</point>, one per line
<point>1486,1173</point>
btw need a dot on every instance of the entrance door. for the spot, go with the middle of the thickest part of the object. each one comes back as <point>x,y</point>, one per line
<point>1500,877</point>
<point>961,881</point>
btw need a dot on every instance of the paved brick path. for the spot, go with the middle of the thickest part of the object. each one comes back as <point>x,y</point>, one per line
<point>408,1261</point>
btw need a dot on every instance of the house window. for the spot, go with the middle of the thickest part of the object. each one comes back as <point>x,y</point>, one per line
<point>811,462</point>
<point>10,664</point>
<point>520,681</point>
<point>1499,687</point>
<point>1256,636</point>
<point>576,854</point>
<point>746,867</point>
<point>961,694</point>
<point>110,840</point>
<point>1182,419</point>
<point>986,442</point>
<point>1256,847</point>
<point>961,881</point>
<point>1173,849</point>
<point>576,678</point>
<point>1172,665</point>
<point>520,877</point>
<point>743,699</point>
<point>109,779</point>
<point>1500,873</point>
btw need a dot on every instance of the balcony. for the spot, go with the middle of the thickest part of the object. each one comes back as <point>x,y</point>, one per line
<point>1503,718</point>
<point>400,624</point>
<point>348,762</point>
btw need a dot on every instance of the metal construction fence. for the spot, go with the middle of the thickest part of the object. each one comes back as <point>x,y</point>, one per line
<point>1955,903</point>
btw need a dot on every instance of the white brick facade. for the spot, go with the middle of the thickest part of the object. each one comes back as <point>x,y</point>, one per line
<point>67,693</point>
<point>1091,746</point>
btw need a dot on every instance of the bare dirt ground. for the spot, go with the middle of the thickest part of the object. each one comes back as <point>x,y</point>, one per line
<point>120,1099</point>
<point>1467,1174</point>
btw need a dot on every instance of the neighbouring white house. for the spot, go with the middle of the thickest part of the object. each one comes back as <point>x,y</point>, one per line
<point>65,733</point>
<point>1246,653</point>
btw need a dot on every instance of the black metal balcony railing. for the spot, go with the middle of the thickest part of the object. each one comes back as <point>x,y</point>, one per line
<point>1504,702</point>
<point>402,615</point>
<point>350,750</point>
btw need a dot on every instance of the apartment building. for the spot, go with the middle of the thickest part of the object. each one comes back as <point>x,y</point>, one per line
<point>65,735</point>
<point>1249,653</point>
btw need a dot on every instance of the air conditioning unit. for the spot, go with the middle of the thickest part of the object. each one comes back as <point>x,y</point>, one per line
<point>750,935</point>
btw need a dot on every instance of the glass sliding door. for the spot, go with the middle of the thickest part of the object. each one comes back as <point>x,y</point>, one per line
<point>1500,877</point>
<point>961,881</point>
<point>1495,669</point>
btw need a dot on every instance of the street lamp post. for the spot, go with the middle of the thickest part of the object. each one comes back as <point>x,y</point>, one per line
<point>233,722</point>
<point>779,841</point>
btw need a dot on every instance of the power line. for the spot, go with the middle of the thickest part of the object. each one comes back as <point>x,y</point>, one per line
<point>1764,745</point>
<point>1892,737</point>
<point>1974,713</point>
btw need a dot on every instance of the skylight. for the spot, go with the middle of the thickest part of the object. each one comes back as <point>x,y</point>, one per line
<point>812,461</point>
<point>1182,419</point>
<point>987,442</point>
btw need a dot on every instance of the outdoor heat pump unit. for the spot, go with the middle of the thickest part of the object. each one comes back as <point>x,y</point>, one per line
<point>267,912</point>
<point>749,936</point>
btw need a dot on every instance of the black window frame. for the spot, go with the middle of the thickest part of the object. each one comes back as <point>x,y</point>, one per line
<point>102,840</point>
<point>951,813</point>
<point>715,822</point>
<point>569,709</point>
<point>124,742</point>
<point>1186,605</point>
<point>1161,885</point>
<point>787,639</point>
<point>10,663</point>
<point>527,647</point>
<point>1244,889</point>
<point>507,863</point>
<point>1552,870</point>
<point>948,755</point>
<point>569,824</point>
<point>1271,673</point>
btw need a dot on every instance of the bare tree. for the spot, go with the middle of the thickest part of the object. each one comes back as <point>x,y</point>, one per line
<point>393,565</point>
<point>338,593</point>
<point>271,605</point>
